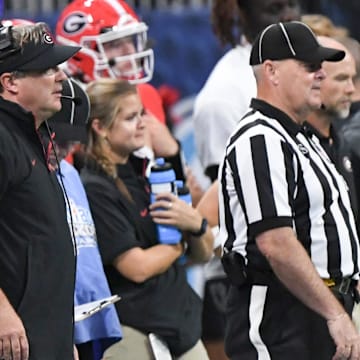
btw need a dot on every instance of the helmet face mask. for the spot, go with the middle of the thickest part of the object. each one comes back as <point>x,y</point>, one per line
<point>114,42</point>
<point>136,68</point>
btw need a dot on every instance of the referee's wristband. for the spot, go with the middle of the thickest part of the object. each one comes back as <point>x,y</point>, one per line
<point>202,229</point>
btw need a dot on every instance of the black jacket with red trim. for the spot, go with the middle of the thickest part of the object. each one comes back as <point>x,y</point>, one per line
<point>37,262</point>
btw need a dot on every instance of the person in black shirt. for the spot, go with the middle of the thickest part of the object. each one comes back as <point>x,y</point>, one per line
<point>336,94</point>
<point>156,297</point>
<point>37,262</point>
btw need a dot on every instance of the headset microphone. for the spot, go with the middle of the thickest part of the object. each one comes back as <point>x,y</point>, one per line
<point>74,99</point>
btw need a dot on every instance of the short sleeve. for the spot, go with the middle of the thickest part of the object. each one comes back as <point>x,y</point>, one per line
<point>263,169</point>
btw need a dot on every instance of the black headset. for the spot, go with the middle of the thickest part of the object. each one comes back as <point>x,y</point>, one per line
<point>7,47</point>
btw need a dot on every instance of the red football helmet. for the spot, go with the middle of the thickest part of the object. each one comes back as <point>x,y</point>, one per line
<point>113,40</point>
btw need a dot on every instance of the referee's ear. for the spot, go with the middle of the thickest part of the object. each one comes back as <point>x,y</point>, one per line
<point>271,71</point>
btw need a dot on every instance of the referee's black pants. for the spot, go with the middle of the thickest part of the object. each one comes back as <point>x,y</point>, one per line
<point>266,322</point>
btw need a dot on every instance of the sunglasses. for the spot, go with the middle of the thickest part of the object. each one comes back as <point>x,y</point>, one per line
<point>311,67</point>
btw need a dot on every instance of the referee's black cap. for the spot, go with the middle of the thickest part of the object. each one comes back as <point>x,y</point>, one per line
<point>291,40</point>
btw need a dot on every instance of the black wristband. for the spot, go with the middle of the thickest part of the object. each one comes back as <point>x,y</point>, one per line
<point>202,229</point>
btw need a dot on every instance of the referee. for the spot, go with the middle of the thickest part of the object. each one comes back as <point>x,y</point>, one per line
<point>290,244</point>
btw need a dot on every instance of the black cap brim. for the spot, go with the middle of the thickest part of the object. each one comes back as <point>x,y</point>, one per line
<point>291,40</point>
<point>321,54</point>
<point>50,57</point>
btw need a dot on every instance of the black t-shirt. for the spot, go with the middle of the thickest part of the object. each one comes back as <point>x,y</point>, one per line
<point>164,304</point>
<point>339,151</point>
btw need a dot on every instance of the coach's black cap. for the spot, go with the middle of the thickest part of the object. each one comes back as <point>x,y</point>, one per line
<point>32,56</point>
<point>291,40</point>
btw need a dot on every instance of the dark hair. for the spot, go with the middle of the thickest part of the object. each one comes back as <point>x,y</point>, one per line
<point>243,4</point>
<point>225,21</point>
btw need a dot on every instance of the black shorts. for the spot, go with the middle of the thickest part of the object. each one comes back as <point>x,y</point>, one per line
<point>282,328</point>
<point>214,305</point>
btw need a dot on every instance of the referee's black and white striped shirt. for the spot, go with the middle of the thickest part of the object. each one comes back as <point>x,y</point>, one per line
<point>272,176</point>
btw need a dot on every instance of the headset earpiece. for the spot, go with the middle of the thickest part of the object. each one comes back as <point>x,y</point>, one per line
<point>7,47</point>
